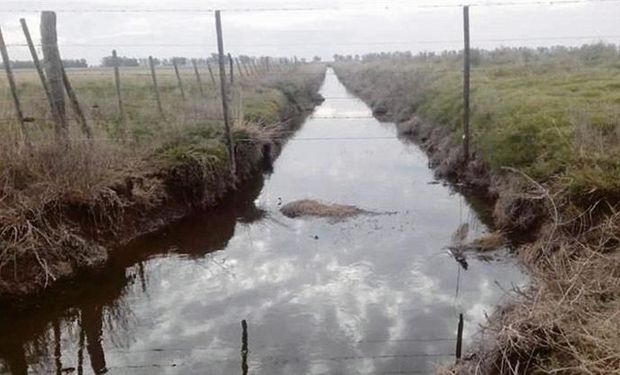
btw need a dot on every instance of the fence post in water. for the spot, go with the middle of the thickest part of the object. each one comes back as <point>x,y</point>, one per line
<point>198,80</point>
<point>154,77</point>
<point>466,83</point>
<point>244,347</point>
<point>223,88</point>
<point>459,338</point>
<point>179,82</point>
<point>53,70</point>
<point>211,73</point>
<point>117,82</point>
<point>75,104</point>
<point>9,75</point>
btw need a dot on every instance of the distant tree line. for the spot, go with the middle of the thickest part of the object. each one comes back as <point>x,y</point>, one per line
<point>26,64</point>
<point>587,53</point>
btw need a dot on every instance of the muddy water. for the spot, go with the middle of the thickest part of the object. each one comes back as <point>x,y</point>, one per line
<point>370,295</point>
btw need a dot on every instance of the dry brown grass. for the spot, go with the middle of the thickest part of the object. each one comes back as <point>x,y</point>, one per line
<point>308,207</point>
<point>569,321</point>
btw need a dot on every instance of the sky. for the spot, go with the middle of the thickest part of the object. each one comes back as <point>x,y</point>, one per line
<point>92,28</point>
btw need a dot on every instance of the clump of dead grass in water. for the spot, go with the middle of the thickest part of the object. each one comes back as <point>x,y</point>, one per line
<point>334,212</point>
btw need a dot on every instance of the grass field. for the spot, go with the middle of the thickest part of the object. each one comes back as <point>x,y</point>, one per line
<point>546,133</point>
<point>553,115</point>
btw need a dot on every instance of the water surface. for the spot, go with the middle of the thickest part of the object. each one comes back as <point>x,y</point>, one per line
<point>371,295</point>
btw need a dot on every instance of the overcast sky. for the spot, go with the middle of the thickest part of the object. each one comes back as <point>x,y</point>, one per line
<point>320,27</point>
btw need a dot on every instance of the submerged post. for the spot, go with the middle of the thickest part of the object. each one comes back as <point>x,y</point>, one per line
<point>223,88</point>
<point>9,75</point>
<point>466,83</point>
<point>459,338</point>
<point>244,347</point>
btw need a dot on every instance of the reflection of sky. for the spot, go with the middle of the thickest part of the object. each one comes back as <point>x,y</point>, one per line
<point>370,295</point>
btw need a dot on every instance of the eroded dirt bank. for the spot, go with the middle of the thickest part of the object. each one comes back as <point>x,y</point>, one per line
<point>75,234</point>
<point>563,322</point>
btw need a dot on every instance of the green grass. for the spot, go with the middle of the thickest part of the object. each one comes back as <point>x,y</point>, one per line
<point>556,119</point>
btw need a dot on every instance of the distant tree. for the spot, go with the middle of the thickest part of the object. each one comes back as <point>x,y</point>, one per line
<point>316,59</point>
<point>108,61</point>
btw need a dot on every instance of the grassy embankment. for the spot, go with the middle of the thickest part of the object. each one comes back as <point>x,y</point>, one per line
<point>546,140</point>
<point>62,209</point>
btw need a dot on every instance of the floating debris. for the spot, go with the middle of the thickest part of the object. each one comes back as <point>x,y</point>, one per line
<point>335,212</point>
<point>489,242</point>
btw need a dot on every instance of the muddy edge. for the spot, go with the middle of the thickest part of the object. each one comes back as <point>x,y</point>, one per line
<point>116,216</point>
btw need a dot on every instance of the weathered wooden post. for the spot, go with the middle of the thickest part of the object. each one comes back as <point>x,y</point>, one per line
<point>156,86</point>
<point>239,67</point>
<point>223,88</point>
<point>179,82</point>
<point>75,104</point>
<point>119,97</point>
<point>37,62</point>
<point>198,80</point>
<point>9,75</point>
<point>459,338</point>
<point>466,83</point>
<point>53,70</point>
<point>244,347</point>
<point>211,73</point>
<point>232,72</point>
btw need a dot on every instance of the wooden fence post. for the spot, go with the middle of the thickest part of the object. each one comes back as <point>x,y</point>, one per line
<point>211,73</point>
<point>244,347</point>
<point>466,83</point>
<point>222,63</point>
<point>75,104</point>
<point>459,338</point>
<point>156,86</point>
<point>198,80</point>
<point>119,97</point>
<point>179,82</point>
<point>239,67</point>
<point>9,75</point>
<point>232,73</point>
<point>53,70</point>
<point>37,62</point>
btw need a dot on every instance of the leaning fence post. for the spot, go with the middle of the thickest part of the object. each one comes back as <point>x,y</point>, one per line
<point>75,104</point>
<point>9,75</point>
<point>53,70</point>
<point>198,80</point>
<point>459,338</point>
<point>211,73</point>
<point>466,83</point>
<point>232,73</point>
<point>155,86</point>
<point>179,82</point>
<point>239,67</point>
<point>222,63</point>
<point>119,97</point>
<point>37,62</point>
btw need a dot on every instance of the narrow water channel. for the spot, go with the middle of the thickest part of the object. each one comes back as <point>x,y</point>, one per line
<point>371,295</point>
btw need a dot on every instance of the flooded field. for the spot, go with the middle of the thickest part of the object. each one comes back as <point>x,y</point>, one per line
<point>372,294</point>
